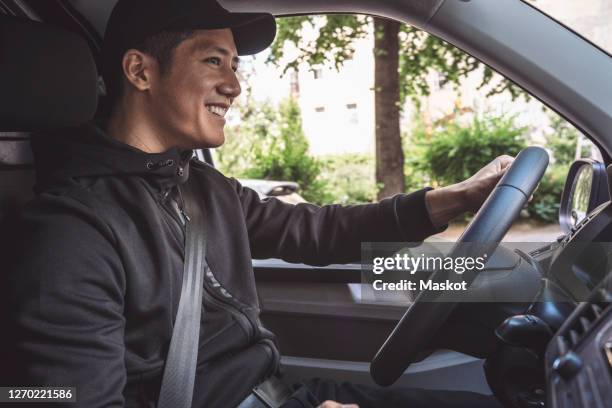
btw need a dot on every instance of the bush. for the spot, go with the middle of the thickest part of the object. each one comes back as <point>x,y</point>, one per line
<point>414,145</point>
<point>270,144</point>
<point>455,152</point>
<point>545,203</point>
<point>349,178</point>
<point>561,143</point>
<point>237,156</point>
<point>562,140</point>
<point>285,156</point>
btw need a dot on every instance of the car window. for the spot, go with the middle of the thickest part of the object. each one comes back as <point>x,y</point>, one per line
<point>309,110</point>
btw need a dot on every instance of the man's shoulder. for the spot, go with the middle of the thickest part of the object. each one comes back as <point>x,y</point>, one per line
<point>68,213</point>
<point>210,174</point>
<point>69,197</point>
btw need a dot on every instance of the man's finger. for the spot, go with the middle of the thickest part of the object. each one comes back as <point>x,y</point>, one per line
<point>334,404</point>
<point>505,161</point>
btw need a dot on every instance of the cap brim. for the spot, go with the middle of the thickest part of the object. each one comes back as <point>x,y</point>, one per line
<point>255,35</point>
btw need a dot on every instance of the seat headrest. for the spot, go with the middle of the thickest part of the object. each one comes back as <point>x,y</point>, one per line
<point>48,77</point>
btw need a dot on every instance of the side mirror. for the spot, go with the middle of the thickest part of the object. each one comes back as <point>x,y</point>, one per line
<point>586,187</point>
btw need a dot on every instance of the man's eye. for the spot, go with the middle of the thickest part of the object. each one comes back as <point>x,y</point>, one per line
<point>214,60</point>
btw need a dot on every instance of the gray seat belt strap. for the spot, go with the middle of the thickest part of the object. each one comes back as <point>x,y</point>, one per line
<point>179,371</point>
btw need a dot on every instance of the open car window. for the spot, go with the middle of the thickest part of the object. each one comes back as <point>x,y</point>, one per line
<point>309,115</point>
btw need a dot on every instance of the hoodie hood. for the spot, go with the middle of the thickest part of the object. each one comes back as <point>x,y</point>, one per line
<point>87,151</point>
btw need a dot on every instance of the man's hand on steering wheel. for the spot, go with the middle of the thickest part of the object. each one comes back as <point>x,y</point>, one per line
<point>509,183</point>
<point>446,203</point>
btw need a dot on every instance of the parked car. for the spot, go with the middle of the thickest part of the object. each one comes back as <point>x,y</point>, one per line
<point>283,190</point>
<point>555,350</point>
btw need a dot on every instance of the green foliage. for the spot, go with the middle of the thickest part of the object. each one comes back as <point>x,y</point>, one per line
<point>349,178</point>
<point>270,144</point>
<point>545,203</point>
<point>286,157</point>
<point>455,152</point>
<point>419,53</point>
<point>415,144</point>
<point>460,151</point>
<point>422,53</point>
<point>237,156</point>
<point>334,42</point>
<point>562,140</point>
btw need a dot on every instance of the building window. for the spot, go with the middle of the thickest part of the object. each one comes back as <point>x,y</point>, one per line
<point>352,117</point>
<point>318,73</point>
<point>320,109</point>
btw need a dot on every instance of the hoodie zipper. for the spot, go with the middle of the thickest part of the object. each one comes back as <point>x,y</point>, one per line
<point>222,302</point>
<point>240,317</point>
<point>175,216</point>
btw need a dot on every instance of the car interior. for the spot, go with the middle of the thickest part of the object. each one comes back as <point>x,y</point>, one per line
<point>554,350</point>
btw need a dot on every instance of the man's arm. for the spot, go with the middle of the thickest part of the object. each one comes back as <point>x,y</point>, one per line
<point>333,234</point>
<point>66,304</point>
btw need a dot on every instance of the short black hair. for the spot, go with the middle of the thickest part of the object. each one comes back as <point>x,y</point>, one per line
<point>160,46</point>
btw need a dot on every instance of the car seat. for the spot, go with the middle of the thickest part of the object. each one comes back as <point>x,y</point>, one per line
<point>48,80</point>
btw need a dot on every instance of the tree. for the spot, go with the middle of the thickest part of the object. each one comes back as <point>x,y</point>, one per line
<point>388,140</point>
<point>270,144</point>
<point>403,56</point>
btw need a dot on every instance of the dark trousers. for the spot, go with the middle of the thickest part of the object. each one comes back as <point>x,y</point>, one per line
<point>313,392</point>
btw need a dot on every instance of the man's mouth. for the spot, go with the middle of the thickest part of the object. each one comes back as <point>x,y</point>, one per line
<point>217,110</point>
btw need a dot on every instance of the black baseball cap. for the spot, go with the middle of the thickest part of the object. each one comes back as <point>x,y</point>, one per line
<point>132,21</point>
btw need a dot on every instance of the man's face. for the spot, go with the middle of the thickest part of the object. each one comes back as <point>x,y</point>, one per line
<point>190,99</point>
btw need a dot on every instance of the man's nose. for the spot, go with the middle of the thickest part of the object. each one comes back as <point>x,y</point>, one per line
<point>230,86</point>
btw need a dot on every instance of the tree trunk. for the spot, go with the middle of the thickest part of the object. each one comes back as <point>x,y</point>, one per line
<point>389,153</point>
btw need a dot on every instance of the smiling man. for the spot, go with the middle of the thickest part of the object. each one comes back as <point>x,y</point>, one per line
<point>94,304</point>
<point>164,105</point>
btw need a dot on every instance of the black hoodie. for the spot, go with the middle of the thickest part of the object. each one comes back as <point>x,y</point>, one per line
<point>96,277</point>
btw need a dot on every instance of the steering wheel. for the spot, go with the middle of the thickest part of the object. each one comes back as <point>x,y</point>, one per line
<point>482,236</point>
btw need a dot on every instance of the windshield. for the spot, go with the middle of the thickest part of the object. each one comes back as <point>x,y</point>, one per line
<point>590,18</point>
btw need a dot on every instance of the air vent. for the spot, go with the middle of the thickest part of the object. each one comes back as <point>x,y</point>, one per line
<point>597,310</point>
<point>588,317</point>
<point>574,337</point>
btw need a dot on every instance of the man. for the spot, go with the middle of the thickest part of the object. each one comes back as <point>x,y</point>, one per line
<point>95,298</point>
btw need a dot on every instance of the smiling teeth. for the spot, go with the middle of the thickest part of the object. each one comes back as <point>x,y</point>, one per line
<point>217,110</point>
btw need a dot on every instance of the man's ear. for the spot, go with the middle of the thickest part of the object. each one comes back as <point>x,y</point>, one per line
<point>139,68</point>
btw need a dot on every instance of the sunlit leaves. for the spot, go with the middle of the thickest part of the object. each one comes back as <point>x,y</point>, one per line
<point>421,54</point>
<point>333,43</point>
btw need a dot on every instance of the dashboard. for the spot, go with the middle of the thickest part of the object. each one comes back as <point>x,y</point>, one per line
<point>578,359</point>
<point>584,257</point>
<point>559,352</point>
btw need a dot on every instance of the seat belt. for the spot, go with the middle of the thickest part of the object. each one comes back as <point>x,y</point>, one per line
<point>179,371</point>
